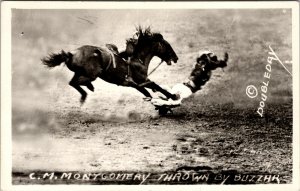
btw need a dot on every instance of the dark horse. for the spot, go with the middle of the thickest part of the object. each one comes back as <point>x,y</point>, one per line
<point>90,62</point>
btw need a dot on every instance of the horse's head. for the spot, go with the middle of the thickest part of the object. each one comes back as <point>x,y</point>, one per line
<point>206,62</point>
<point>155,45</point>
<point>163,49</point>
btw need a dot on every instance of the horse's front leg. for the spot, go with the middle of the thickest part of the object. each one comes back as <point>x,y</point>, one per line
<point>156,87</point>
<point>139,88</point>
<point>78,80</point>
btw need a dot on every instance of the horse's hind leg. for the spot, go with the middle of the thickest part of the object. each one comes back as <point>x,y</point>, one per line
<point>78,80</point>
<point>90,86</point>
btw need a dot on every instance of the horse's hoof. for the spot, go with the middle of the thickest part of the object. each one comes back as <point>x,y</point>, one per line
<point>175,97</point>
<point>147,98</point>
<point>92,89</point>
<point>82,100</point>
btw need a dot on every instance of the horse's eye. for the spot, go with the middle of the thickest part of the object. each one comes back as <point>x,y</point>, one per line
<point>159,46</point>
<point>197,66</point>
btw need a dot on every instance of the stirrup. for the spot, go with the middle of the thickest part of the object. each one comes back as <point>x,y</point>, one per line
<point>128,78</point>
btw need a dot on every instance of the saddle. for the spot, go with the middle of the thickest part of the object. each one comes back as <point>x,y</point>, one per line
<point>124,55</point>
<point>112,48</point>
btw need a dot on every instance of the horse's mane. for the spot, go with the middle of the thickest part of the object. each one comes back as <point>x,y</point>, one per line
<point>145,32</point>
<point>132,41</point>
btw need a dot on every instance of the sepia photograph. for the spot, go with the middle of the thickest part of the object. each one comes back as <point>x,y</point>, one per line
<point>150,93</point>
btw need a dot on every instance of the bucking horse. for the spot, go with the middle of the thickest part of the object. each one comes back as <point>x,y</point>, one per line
<point>89,62</point>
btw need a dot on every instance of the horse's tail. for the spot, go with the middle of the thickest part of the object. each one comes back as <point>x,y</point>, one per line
<point>56,59</point>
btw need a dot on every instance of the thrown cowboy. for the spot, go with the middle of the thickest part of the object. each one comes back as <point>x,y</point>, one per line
<point>205,63</point>
<point>201,73</point>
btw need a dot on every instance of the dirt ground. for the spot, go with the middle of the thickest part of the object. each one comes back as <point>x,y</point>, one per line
<point>116,130</point>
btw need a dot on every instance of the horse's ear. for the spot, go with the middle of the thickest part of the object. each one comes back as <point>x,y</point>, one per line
<point>148,31</point>
<point>157,36</point>
<point>139,31</point>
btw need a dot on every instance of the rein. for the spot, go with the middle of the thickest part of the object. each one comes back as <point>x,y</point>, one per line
<point>145,83</point>
<point>155,68</point>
